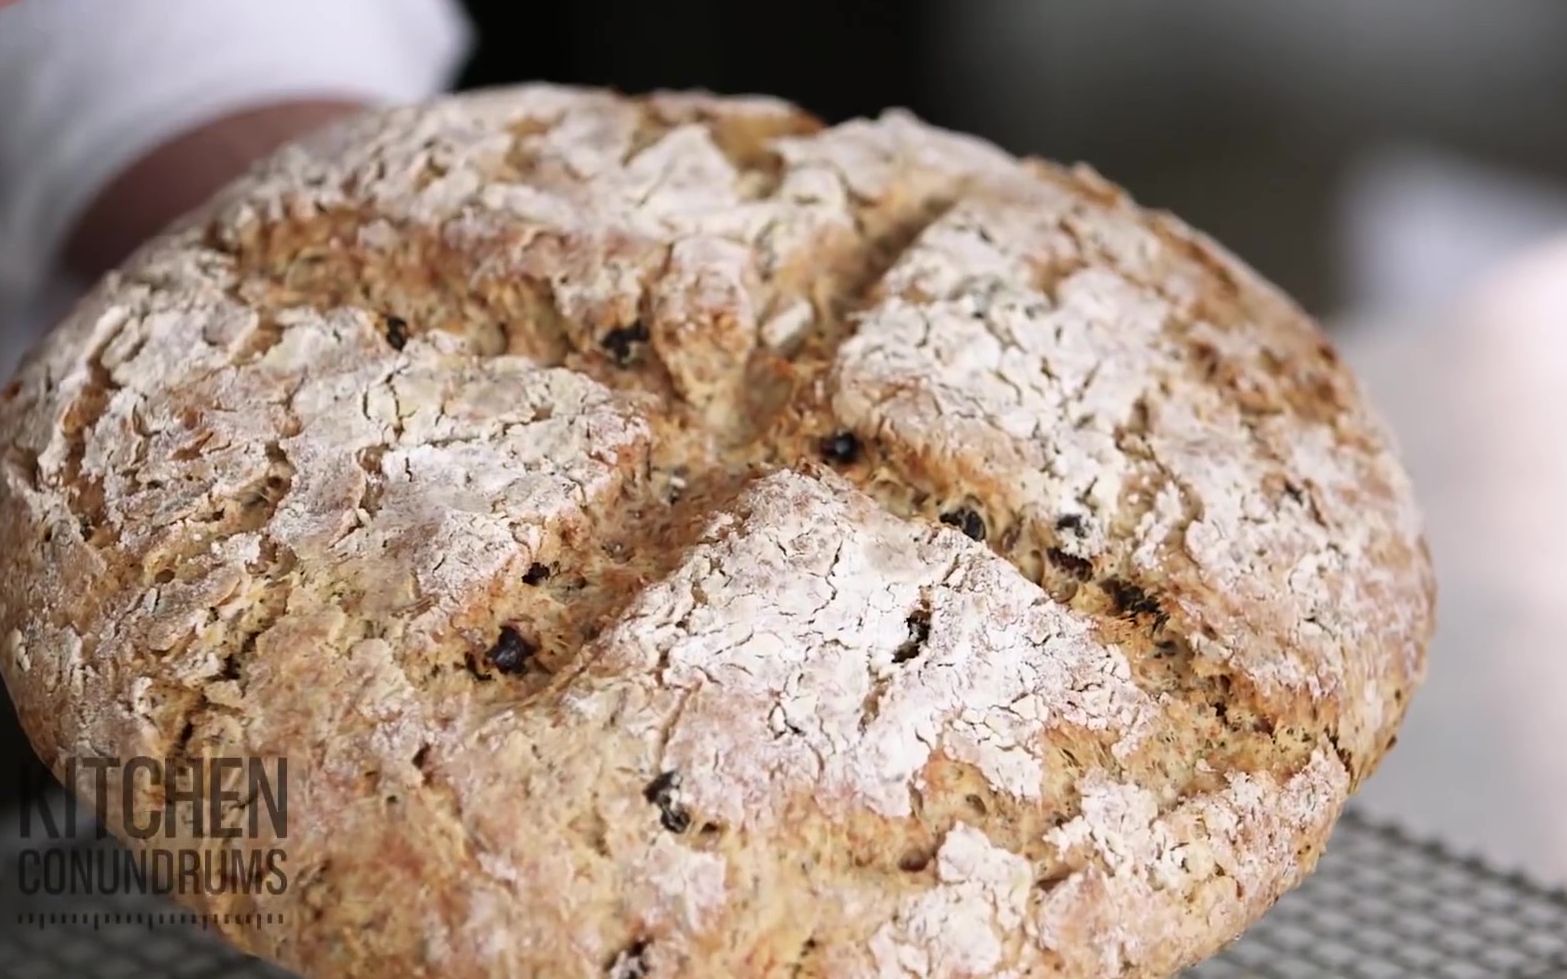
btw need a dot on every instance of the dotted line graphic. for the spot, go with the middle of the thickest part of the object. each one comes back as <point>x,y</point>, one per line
<point>148,919</point>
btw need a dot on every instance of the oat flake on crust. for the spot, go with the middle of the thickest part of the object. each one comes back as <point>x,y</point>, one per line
<point>669,537</point>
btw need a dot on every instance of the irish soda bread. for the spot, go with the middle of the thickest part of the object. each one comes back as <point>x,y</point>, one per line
<point>668,537</point>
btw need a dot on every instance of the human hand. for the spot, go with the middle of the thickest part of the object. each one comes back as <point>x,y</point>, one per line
<point>180,174</point>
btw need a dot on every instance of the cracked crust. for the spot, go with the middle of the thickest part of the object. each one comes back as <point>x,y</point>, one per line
<point>668,537</point>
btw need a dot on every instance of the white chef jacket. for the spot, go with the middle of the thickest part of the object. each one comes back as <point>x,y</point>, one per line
<point>89,86</point>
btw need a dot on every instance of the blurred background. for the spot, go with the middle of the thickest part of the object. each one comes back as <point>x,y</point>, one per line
<point>1400,167</point>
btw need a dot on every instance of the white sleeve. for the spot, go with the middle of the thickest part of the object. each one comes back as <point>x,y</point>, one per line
<point>88,86</point>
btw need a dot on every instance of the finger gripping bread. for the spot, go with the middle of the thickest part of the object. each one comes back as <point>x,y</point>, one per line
<point>668,537</point>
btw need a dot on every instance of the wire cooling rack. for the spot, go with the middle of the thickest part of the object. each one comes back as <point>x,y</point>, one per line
<point>1381,906</point>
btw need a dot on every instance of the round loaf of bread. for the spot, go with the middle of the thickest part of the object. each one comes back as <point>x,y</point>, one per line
<point>669,537</point>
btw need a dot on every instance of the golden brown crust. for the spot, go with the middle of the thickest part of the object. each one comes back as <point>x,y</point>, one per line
<point>579,491</point>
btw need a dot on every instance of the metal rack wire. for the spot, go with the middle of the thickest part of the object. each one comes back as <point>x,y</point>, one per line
<point>1381,906</point>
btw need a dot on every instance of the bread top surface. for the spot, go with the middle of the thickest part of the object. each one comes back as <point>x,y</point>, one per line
<point>671,537</point>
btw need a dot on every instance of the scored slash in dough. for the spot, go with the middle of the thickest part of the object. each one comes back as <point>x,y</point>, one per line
<point>670,537</point>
